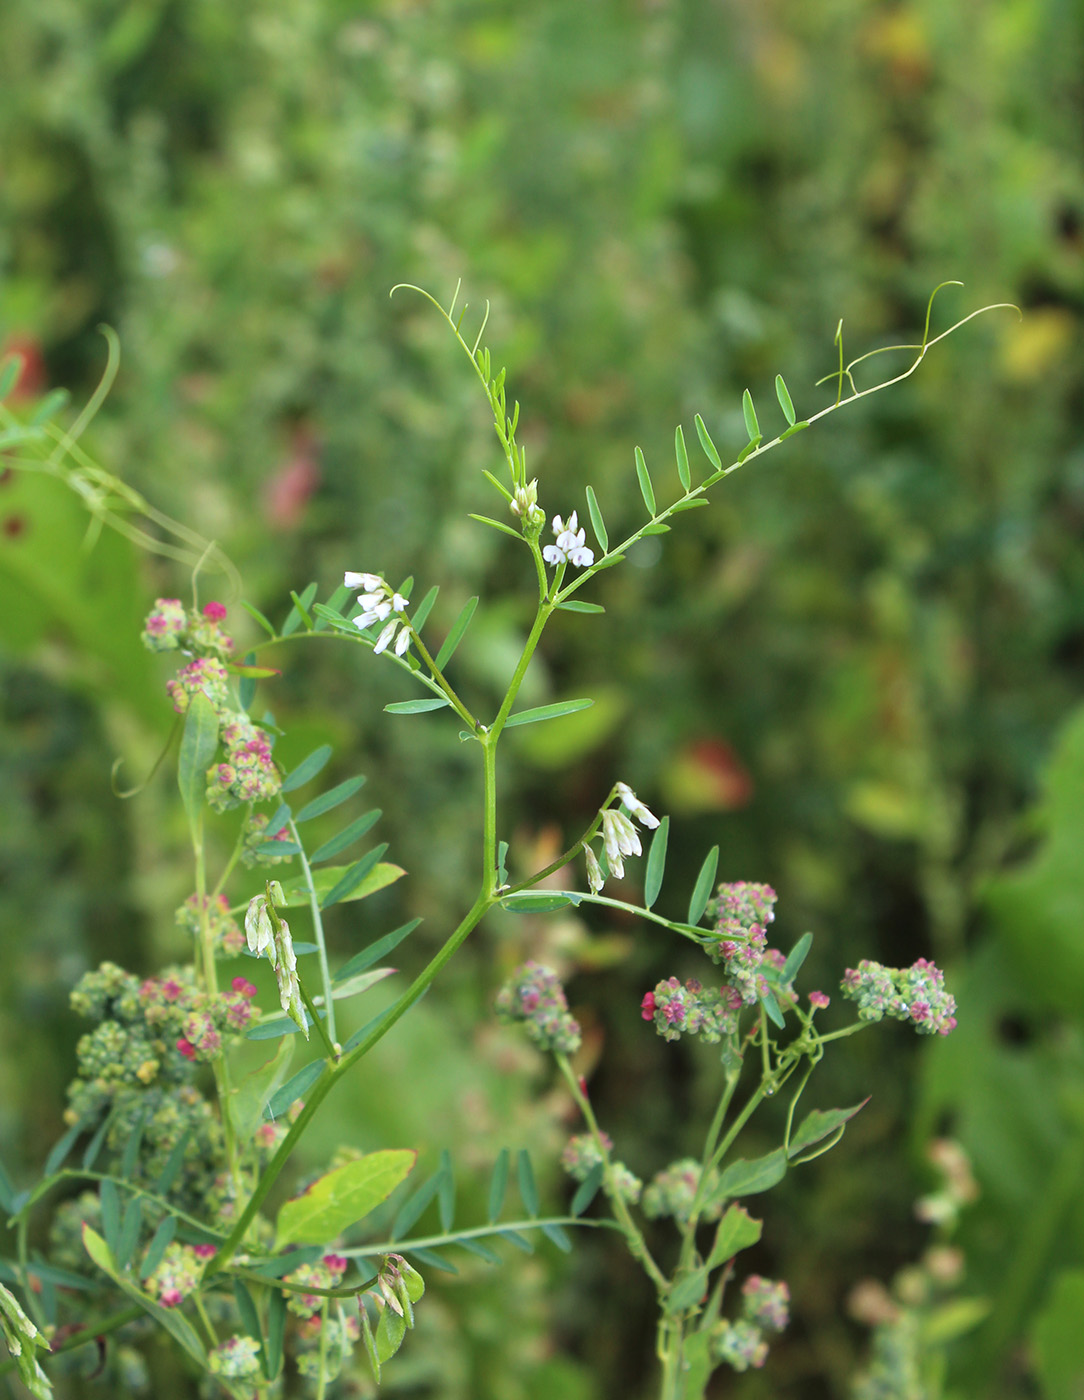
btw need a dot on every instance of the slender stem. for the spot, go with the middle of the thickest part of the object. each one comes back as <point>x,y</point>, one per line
<point>440,679</point>
<point>490,876</point>
<point>318,932</point>
<point>318,1021</point>
<point>633,1238</point>
<point>558,864</point>
<point>212,1336</point>
<point>321,1384</point>
<point>209,974</point>
<point>541,618</point>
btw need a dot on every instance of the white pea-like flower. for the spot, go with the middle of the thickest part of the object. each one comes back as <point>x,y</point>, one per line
<point>403,641</point>
<point>620,838</point>
<point>570,547</point>
<point>367,581</point>
<point>595,878</point>
<point>635,807</point>
<point>384,640</point>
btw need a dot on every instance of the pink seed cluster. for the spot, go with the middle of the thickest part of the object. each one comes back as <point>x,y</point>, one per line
<point>915,994</point>
<point>249,773</point>
<point>691,1009</point>
<point>534,996</point>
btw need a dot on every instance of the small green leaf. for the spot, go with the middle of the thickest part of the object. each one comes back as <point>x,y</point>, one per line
<point>659,527</point>
<point>557,1236</point>
<point>10,369</point>
<point>482,1251</point>
<point>597,523</point>
<point>535,903</point>
<point>688,1291</point>
<point>749,1177</point>
<point>455,636</point>
<point>748,450</point>
<point>299,612</point>
<point>346,837</point>
<point>796,958</point>
<point>495,481</point>
<point>329,800</point>
<point>62,1147</point>
<point>390,1331</point>
<point>703,887</point>
<point>782,393</point>
<point>160,1241</point>
<point>133,1143</point>
<point>587,1190</point>
<point>749,413</point>
<point>819,1124</point>
<point>415,1206</point>
<point>737,1231</point>
<point>276,1331</point>
<point>90,1155</point>
<point>694,504</point>
<point>174,1162</point>
<point>540,712</point>
<point>707,444</point>
<point>52,403</point>
<point>307,768</point>
<point>172,1320</point>
<point>129,1231</point>
<point>424,608</point>
<point>296,889</point>
<point>246,1310</point>
<point>295,1088</point>
<point>498,1185</point>
<point>109,1197</point>
<point>527,1188</point>
<point>199,741</point>
<point>354,986</point>
<point>574,605</point>
<point>342,1197</point>
<point>682,454</point>
<point>496,525</point>
<point>416,707</point>
<point>353,877</point>
<point>277,1026</point>
<point>794,428</point>
<point>446,1192</point>
<point>326,613</point>
<point>768,1000</point>
<point>521,1242</point>
<point>656,863</point>
<point>374,952</point>
<point>644,478</point>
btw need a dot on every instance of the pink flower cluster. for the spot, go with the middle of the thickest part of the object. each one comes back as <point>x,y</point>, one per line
<point>249,773</point>
<point>226,934</point>
<point>915,994</point>
<point>175,1008</point>
<point>169,627</point>
<point>204,675</point>
<point>691,1010</point>
<point>178,1273</point>
<point>326,1274</point>
<point>535,996</point>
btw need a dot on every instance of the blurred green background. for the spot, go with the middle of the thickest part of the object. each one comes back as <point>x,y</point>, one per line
<point>860,672</point>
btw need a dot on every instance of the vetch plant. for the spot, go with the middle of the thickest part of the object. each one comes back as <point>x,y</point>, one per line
<point>173,1147</point>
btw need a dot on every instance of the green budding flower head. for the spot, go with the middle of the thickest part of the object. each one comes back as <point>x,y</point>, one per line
<point>673,1190</point>
<point>915,994</point>
<point>534,996</point>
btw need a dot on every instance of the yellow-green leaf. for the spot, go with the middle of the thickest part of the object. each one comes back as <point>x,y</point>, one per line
<point>341,1198</point>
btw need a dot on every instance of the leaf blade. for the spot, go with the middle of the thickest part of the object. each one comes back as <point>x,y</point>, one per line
<point>702,889</point>
<point>643,476</point>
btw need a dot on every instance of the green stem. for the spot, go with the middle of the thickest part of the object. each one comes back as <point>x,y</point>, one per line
<point>318,1021</point>
<point>318,933</point>
<point>540,620</point>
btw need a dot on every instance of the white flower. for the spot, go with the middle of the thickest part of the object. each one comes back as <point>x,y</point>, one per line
<point>620,838</point>
<point>384,640</point>
<point>594,871</point>
<point>398,603</point>
<point>371,600</point>
<point>363,581</point>
<point>258,930</point>
<point>403,641</point>
<point>632,804</point>
<point>570,546</point>
<point>374,614</point>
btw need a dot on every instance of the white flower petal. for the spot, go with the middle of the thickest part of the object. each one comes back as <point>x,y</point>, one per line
<point>581,557</point>
<point>403,642</point>
<point>398,603</point>
<point>362,580</point>
<point>384,640</point>
<point>553,555</point>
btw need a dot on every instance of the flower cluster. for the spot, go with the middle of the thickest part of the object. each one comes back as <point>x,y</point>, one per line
<point>165,626</point>
<point>256,843</point>
<point>380,603</point>
<point>204,676</point>
<point>534,996</point>
<point>692,1010</point>
<point>236,1359</point>
<point>742,1344</point>
<point>581,1156</point>
<point>327,1273</point>
<point>169,627</point>
<point>619,836</point>
<point>570,547</point>
<point>226,936</point>
<point>915,994</point>
<point>249,773</point>
<point>324,1346</point>
<point>673,1190</point>
<point>267,932</point>
<point>741,912</point>
<point>178,1274</point>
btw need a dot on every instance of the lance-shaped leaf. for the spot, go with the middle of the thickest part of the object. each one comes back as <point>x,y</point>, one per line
<point>295,1088</point>
<point>527,1188</point>
<point>170,1320</point>
<point>710,450</point>
<point>587,1190</point>
<point>332,609</point>
<point>795,958</point>
<point>656,863</point>
<point>644,478</point>
<point>574,605</point>
<point>354,986</point>
<point>498,1184</point>
<point>540,712</point>
<point>160,1242</point>
<point>10,369</point>
<point>597,522</point>
<point>354,876</point>
<point>174,1163</point>
<point>199,740</point>
<point>347,836</point>
<point>557,1236</point>
<point>416,707</point>
<point>495,525</point>
<point>535,903</point>
<point>378,876</point>
<point>703,887</point>
<point>749,1177</point>
<point>818,1125</point>
<point>307,768</point>
<point>455,636</point>
<point>446,1192</point>
<point>749,413</point>
<point>736,1231</point>
<point>415,1206</point>
<point>329,800</point>
<point>782,393</point>
<point>681,452</point>
<point>374,952</point>
<point>794,428</point>
<point>300,611</point>
<point>343,1197</point>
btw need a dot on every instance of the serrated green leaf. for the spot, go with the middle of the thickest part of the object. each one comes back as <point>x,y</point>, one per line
<point>587,1190</point>
<point>682,454</point>
<point>535,903</point>
<point>525,1177</point>
<point>705,882</point>
<point>455,636</point>
<point>424,608</point>
<point>795,958</point>
<point>299,611</point>
<point>495,524</point>
<point>329,800</point>
<point>819,1124</point>
<point>736,1231</point>
<point>749,1177</point>
<point>374,952</point>
<point>782,393</point>
<point>342,1197</point>
<point>199,740</point>
<point>307,769</point>
<point>160,1241</point>
<point>249,1099</point>
<point>749,413</point>
<point>541,712</point>
<point>644,478</point>
<point>295,1088</point>
<point>574,605</point>
<point>656,863</point>
<point>416,707</point>
<point>498,1185</point>
<point>706,443</point>
<point>347,836</point>
<point>597,523</point>
<point>353,878</point>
